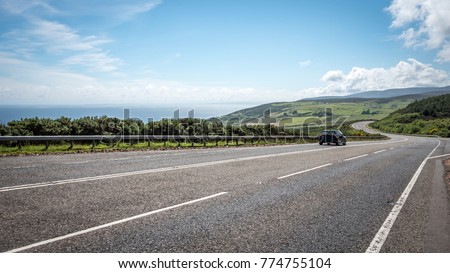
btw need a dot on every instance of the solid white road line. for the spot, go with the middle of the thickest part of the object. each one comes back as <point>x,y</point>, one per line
<point>77,162</point>
<point>356,157</point>
<point>308,170</point>
<point>383,232</point>
<point>24,167</point>
<point>118,159</point>
<point>377,152</point>
<point>70,235</point>
<point>438,156</point>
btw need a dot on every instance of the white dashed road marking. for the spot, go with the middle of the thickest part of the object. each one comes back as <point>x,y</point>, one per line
<point>70,235</point>
<point>308,170</point>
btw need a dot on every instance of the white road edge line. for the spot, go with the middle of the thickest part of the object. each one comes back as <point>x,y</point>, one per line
<point>438,156</point>
<point>308,170</point>
<point>380,151</point>
<point>383,232</point>
<point>70,235</point>
<point>77,162</point>
<point>356,157</point>
<point>165,169</point>
<point>118,159</point>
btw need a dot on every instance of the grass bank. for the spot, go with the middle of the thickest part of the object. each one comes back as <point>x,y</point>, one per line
<point>64,148</point>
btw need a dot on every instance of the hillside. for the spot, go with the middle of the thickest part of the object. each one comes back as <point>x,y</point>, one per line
<point>308,110</point>
<point>430,116</point>
<point>389,93</point>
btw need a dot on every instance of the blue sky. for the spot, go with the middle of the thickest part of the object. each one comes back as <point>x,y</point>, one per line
<point>197,52</point>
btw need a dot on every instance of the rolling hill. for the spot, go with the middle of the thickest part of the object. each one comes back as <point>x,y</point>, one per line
<point>389,93</point>
<point>430,116</point>
<point>373,105</point>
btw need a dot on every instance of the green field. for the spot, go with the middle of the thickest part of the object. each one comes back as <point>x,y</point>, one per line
<point>302,112</point>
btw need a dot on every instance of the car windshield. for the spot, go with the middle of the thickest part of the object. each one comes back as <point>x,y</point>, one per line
<point>330,132</point>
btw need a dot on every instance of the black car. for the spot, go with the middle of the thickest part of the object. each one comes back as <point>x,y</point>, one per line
<point>332,136</point>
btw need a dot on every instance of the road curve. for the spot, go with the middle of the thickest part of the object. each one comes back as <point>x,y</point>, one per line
<point>293,198</point>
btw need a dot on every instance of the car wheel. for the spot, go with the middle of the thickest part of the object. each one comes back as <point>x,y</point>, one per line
<point>320,143</point>
<point>345,143</point>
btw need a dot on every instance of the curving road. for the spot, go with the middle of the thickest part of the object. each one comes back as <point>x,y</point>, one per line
<point>293,198</point>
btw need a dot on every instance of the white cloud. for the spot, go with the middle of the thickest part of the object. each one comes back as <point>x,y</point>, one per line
<point>97,61</point>
<point>62,43</point>
<point>333,76</point>
<point>410,73</point>
<point>20,7</point>
<point>129,11</point>
<point>34,73</point>
<point>305,63</point>
<point>427,24</point>
<point>114,9</point>
<point>27,82</point>
<point>444,54</point>
<point>58,37</point>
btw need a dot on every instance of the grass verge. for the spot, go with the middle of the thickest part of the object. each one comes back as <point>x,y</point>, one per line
<point>64,148</point>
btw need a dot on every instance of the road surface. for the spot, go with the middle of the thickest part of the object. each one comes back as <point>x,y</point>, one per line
<point>293,198</point>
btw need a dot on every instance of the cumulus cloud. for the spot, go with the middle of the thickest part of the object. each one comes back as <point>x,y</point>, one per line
<point>410,73</point>
<point>333,76</point>
<point>426,24</point>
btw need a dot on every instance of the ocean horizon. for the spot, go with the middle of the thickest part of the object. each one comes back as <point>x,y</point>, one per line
<point>16,112</point>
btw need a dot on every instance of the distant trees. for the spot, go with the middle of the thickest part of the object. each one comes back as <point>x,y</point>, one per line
<point>368,112</point>
<point>321,113</point>
<point>114,126</point>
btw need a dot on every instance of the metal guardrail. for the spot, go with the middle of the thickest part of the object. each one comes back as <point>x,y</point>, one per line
<point>146,137</point>
<point>95,139</point>
<point>160,137</point>
<point>20,140</point>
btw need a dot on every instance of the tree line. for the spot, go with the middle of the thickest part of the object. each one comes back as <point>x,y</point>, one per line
<point>114,126</point>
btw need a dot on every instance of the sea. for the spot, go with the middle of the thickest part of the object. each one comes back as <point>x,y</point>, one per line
<point>16,112</point>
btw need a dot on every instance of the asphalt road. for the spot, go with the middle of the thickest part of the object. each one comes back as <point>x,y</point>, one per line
<point>293,198</point>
